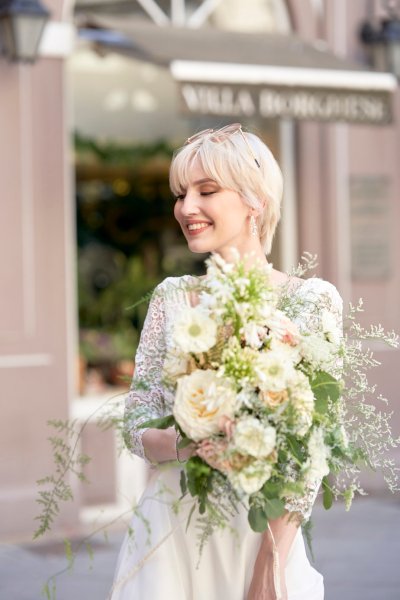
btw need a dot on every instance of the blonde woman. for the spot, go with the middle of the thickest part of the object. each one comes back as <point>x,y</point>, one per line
<point>228,190</point>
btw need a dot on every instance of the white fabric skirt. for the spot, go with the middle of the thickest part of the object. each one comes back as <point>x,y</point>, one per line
<point>159,559</point>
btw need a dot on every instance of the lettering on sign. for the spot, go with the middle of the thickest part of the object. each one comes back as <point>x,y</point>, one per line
<point>315,104</point>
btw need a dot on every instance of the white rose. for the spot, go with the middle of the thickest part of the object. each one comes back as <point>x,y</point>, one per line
<point>273,369</point>
<point>330,328</point>
<point>195,331</point>
<point>201,399</point>
<point>253,437</point>
<point>318,457</point>
<point>251,478</point>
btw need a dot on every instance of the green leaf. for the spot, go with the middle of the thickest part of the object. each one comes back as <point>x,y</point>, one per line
<point>274,508</point>
<point>271,489</point>
<point>257,518</point>
<point>295,447</point>
<point>182,483</point>
<point>327,497</point>
<point>325,387</point>
<point>184,442</point>
<point>161,423</point>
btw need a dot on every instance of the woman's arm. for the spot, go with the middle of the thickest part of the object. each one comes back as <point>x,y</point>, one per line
<point>145,400</point>
<point>262,585</point>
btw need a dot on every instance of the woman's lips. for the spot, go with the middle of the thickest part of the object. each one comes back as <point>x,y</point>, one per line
<point>197,228</point>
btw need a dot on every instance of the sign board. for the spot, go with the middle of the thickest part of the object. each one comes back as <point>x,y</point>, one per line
<point>295,103</point>
<point>370,227</point>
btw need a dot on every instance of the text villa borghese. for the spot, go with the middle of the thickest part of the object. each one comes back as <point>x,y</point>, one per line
<point>320,104</point>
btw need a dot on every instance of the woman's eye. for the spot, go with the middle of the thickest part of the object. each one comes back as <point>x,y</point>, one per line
<point>180,197</point>
<point>206,193</point>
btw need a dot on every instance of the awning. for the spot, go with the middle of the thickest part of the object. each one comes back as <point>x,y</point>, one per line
<point>241,74</point>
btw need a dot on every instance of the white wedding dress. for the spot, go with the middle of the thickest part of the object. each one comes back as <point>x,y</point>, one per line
<point>159,559</point>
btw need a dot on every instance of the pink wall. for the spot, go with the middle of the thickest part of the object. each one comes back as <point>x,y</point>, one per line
<point>37,299</point>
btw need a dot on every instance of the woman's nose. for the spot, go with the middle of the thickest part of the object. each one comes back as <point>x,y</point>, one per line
<point>189,204</point>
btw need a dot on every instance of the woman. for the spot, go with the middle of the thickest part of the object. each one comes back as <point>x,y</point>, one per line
<point>228,189</point>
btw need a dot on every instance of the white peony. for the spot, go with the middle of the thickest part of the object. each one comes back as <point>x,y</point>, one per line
<point>251,478</point>
<point>253,437</point>
<point>201,399</point>
<point>329,326</point>
<point>273,369</point>
<point>318,457</point>
<point>195,331</point>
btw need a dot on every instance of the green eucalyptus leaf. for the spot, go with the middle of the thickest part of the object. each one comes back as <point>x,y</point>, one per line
<point>160,423</point>
<point>274,508</point>
<point>183,443</point>
<point>258,519</point>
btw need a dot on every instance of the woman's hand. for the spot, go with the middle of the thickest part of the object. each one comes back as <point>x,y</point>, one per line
<point>262,585</point>
<point>160,446</point>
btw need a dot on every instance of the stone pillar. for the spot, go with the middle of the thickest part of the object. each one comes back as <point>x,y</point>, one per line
<point>38,315</point>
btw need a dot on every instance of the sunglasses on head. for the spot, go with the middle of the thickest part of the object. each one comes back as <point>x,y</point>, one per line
<point>220,135</point>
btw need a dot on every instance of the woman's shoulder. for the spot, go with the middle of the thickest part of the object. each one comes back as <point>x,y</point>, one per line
<point>315,287</point>
<point>170,287</point>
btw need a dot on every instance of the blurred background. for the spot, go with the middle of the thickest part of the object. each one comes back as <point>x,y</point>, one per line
<point>94,98</point>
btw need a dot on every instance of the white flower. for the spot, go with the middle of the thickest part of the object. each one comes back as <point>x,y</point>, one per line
<point>175,365</point>
<point>317,351</point>
<point>195,331</point>
<point>283,328</point>
<point>252,334</point>
<point>318,457</point>
<point>201,399</point>
<point>273,369</point>
<point>253,437</point>
<point>302,398</point>
<point>330,328</point>
<point>251,478</point>
<point>247,397</point>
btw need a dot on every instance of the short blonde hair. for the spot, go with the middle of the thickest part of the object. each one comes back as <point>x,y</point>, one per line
<point>232,166</point>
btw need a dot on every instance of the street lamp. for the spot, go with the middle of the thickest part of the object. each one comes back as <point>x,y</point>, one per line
<point>21,27</point>
<point>384,41</point>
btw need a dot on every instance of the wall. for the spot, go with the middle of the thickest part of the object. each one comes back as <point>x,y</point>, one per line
<point>38,290</point>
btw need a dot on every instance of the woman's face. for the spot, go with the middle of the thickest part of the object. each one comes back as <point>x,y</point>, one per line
<point>213,219</point>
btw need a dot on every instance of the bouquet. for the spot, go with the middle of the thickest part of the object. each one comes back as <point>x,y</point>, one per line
<point>264,403</point>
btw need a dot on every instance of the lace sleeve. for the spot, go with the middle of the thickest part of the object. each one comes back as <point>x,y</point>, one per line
<point>317,296</point>
<point>145,399</point>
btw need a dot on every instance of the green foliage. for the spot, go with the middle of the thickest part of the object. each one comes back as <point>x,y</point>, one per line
<point>327,497</point>
<point>325,388</point>
<point>67,460</point>
<point>257,518</point>
<point>199,478</point>
<point>160,423</point>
